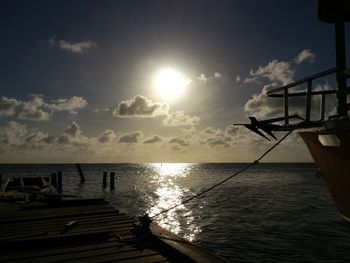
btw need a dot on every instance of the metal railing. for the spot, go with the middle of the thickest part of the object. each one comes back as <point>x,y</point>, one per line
<point>308,93</point>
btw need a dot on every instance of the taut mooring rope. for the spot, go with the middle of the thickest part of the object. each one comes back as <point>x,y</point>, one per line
<point>228,178</point>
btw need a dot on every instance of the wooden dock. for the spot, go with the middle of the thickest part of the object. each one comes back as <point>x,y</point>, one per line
<point>87,231</point>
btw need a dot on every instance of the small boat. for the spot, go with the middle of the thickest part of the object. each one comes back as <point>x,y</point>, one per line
<point>27,188</point>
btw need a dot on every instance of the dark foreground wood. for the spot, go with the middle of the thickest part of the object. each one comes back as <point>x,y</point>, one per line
<point>87,231</point>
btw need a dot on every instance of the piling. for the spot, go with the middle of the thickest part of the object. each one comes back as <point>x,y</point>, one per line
<point>54,179</point>
<point>59,181</point>
<point>111,182</point>
<point>81,174</point>
<point>104,180</point>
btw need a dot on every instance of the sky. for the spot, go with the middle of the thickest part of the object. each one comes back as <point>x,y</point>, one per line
<point>153,81</point>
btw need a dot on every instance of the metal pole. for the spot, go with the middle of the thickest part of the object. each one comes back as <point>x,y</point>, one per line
<point>81,174</point>
<point>104,180</point>
<point>59,181</point>
<point>323,106</point>
<point>286,110</point>
<point>54,179</point>
<point>111,182</point>
<point>340,60</point>
<point>308,100</point>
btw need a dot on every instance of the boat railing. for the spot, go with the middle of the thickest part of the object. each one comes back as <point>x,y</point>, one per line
<point>283,92</point>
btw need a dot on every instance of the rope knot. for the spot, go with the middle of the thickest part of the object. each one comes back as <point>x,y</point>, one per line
<point>142,228</point>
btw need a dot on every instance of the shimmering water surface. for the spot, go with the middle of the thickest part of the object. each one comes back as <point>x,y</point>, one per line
<point>270,213</point>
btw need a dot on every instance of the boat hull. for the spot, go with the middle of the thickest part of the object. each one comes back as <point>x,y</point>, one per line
<point>329,146</point>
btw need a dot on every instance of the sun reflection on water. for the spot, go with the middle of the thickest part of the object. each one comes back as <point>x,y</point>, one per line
<point>171,169</point>
<point>168,193</point>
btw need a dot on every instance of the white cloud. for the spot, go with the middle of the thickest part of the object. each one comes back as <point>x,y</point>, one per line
<point>140,106</point>
<point>279,73</point>
<point>78,47</point>
<point>21,143</point>
<point>217,75</point>
<point>180,119</point>
<point>204,78</point>
<point>131,137</point>
<point>8,106</point>
<point>179,141</point>
<point>305,55</point>
<point>12,134</point>
<point>73,130</point>
<point>274,71</point>
<point>37,109</point>
<point>214,138</point>
<point>107,136</point>
<point>71,105</point>
<point>33,110</point>
<point>154,139</point>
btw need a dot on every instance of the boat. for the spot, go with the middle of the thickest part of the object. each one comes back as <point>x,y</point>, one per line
<point>26,188</point>
<point>328,140</point>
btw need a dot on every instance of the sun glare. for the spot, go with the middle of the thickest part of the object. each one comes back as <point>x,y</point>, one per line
<point>170,84</point>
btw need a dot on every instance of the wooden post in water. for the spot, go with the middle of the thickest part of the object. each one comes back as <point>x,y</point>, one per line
<point>59,181</point>
<point>81,174</point>
<point>54,179</point>
<point>0,180</point>
<point>111,182</point>
<point>104,180</point>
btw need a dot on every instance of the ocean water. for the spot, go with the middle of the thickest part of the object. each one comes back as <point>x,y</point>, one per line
<point>270,213</point>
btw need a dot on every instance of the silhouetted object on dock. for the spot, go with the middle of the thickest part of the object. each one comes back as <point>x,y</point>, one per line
<point>111,182</point>
<point>59,181</point>
<point>104,180</point>
<point>81,174</point>
<point>54,179</point>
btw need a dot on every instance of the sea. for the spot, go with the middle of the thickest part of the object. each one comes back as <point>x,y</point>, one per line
<point>269,213</point>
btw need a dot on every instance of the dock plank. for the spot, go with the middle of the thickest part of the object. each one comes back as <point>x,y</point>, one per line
<point>101,234</point>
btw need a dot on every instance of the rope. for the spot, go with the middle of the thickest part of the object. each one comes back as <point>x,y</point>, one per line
<point>228,178</point>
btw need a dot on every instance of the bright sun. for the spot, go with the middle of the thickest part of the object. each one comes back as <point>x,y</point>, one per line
<point>169,84</point>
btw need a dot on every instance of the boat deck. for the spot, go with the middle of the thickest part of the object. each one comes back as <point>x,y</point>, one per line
<point>87,231</point>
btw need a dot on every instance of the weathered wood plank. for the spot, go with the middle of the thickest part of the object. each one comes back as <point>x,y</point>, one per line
<point>14,255</point>
<point>63,220</point>
<point>148,259</point>
<point>101,234</point>
<point>87,255</point>
<point>53,215</point>
<point>80,223</point>
<point>118,256</point>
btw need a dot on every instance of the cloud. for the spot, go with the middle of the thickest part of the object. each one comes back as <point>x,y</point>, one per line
<point>179,141</point>
<point>107,136</point>
<point>279,73</point>
<point>217,75</point>
<point>204,78</point>
<point>12,134</point>
<point>214,138</point>
<point>19,143</point>
<point>305,55</point>
<point>73,130</point>
<point>37,109</point>
<point>179,118</point>
<point>210,131</point>
<point>153,139</point>
<point>274,71</point>
<point>140,106</point>
<point>32,110</point>
<point>7,106</point>
<point>78,48</point>
<point>132,137</point>
<point>71,105</point>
